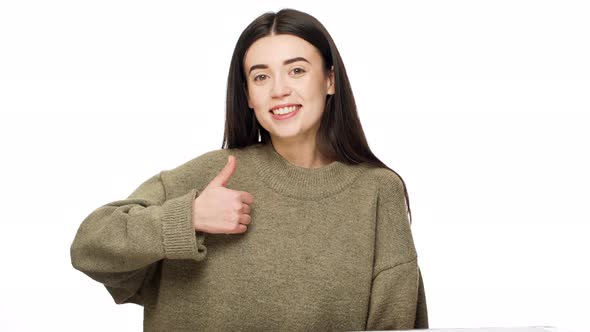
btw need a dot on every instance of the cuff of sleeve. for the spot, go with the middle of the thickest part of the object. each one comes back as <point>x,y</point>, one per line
<point>180,239</point>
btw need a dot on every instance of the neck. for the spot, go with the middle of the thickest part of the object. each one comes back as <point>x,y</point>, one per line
<point>303,154</point>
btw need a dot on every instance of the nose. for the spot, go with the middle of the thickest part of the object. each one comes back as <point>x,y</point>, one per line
<point>280,88</point>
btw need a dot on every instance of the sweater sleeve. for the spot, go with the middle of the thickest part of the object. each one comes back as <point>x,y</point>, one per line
<point>397,291</point>
<point>398,300</point>
<point>120,243</point>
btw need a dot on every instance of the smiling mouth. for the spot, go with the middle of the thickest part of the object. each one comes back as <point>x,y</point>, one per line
<point>285,110</point>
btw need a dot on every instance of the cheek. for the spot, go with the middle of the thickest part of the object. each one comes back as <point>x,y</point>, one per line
<point>314,89</point>
<point>257,98</point>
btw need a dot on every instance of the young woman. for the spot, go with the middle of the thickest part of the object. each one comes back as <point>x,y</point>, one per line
<point>293,225</point>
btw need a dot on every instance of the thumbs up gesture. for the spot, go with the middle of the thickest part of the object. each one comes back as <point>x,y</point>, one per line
<point>219,210</point>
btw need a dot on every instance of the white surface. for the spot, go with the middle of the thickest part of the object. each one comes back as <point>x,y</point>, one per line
<point>498,329</point>
<point>482,107</point>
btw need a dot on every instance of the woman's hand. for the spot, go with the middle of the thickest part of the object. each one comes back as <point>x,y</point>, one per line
<point>220,210</point>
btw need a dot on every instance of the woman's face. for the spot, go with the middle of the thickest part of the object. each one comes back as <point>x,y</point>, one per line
<point>285,70</point>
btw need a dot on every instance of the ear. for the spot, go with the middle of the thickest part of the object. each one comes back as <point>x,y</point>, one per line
<point>249,103</point>
<point>330,83</point>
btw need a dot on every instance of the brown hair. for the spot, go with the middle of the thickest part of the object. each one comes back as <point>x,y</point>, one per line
<point>340,135</point>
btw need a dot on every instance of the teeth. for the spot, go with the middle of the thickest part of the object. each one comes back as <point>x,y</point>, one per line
<point>285,110</point>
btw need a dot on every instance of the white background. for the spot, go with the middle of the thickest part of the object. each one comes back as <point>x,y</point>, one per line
<point>481,106</point>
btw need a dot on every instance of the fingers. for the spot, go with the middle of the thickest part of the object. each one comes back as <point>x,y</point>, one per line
<point>227,171</point>
<point>240,229</point>
<point>245,219</point>
<point>241,220</point>
<point>241,226</point>
<point>246,197</point>
<point>245,208</point>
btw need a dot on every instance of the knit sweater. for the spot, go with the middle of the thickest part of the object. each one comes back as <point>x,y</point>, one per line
<point>327,248</point>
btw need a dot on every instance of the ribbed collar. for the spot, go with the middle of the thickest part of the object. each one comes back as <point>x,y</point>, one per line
<point>300,182</point>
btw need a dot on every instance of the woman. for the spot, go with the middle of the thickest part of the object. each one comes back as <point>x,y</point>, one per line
<point>294,225</point>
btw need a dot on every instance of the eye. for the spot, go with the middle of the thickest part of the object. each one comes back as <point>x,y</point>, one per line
<point>257,78</point>
<point>298,70</point>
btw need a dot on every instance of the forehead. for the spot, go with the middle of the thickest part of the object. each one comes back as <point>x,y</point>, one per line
<point>275,49</point>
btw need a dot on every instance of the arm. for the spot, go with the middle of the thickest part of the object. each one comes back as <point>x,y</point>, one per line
<point>397,299</point>
<point>121,243</point>
<point>397,293</point>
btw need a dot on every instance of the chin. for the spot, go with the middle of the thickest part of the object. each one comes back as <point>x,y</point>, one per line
<point>285,134</point>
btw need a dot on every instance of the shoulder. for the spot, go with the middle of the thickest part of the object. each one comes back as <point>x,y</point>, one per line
<point>394,241</point>
<point>391,194</point>
<point>211,159</point>
<point>205,160</point>
<point>385,175</point>
<point>385,180</point>
<point>199,171</point>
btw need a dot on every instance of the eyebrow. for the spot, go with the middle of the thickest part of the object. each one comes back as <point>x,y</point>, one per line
<point>286,62</point>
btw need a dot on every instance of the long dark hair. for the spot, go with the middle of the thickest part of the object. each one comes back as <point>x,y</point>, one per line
<point>340,135</point>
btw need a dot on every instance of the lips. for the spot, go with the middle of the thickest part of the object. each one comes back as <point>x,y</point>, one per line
<point>286,115</point>
<point>283,105</point>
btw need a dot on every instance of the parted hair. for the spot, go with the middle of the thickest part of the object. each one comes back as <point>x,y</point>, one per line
<point>340,135</point>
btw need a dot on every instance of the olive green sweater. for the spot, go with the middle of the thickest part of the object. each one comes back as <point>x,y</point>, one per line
<point>328,248</point>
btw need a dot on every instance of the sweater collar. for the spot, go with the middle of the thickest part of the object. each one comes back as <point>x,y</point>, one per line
<point>300,182</point>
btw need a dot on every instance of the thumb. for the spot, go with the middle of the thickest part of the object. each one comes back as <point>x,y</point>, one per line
<point>227,171</point>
